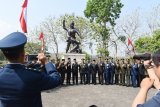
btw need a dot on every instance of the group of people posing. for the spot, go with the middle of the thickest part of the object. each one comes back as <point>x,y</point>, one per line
<point>111,71</point>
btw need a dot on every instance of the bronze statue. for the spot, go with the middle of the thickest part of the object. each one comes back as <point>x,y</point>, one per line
<point>72,31</point>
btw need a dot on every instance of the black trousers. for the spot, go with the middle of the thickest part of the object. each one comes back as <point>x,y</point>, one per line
<point>100,77</point>
<point>68,77</point>
<point>75,78</point>
<point>94,78</point>
<point>82,78</point>
<point>116,78</point>
<point>62,77</point>
<point>87,77</point>
<point>140,78</point>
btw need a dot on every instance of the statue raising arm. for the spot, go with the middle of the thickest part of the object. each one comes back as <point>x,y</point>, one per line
<point>64,26</point>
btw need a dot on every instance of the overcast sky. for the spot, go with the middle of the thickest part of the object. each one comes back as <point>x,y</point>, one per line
<point>38,10</point>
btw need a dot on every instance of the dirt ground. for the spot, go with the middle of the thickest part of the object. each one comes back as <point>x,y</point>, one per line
<point>86,95</point>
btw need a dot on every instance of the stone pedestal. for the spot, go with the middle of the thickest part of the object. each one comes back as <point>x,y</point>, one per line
<point>78,57</point>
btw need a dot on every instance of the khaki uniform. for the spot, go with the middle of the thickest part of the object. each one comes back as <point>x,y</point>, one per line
<point>82,71</point>
<point>117,72</point>
<point>128,74</point>
<point>123,72</point>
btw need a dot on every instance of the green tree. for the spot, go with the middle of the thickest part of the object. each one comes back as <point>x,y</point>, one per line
<point>32,48</point>
<point>148,43</point>
<point>103,12</point>
<point>87,56</point>
<point>102,52</point>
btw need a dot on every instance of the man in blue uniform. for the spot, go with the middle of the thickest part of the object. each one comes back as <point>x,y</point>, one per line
<point>107,72</point>
<point>134,74</point>
<point>20,86</point>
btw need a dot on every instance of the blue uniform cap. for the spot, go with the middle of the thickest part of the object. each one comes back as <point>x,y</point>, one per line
<point>13,40</point>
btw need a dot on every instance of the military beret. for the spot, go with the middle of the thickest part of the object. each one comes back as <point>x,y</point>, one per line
<point>74,59</point>
<point>13,40</point>
<point>82,59</point>
<point>63,59</point>
<point>69,58</point>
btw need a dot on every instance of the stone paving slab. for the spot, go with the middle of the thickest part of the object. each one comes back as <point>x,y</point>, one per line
<point>86,95</point>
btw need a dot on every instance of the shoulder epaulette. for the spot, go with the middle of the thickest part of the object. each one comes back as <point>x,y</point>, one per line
<point>32,69</point>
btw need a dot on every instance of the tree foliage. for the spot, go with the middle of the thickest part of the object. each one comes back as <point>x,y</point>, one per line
<point>104,13</point>
<point>32,48</point>
<point>87,56</point>
<point>148,43</point>
<point>102,52</point>
<point>50,29</point>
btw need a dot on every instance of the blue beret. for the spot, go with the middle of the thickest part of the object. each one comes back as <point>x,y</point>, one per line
<point>13,40</point>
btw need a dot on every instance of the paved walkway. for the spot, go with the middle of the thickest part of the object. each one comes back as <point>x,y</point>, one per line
<point>86,95</point>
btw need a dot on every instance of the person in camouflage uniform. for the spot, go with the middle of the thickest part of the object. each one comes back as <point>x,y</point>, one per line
<point>128,72</point>
<point>123,69</point>
<point>117,72</point>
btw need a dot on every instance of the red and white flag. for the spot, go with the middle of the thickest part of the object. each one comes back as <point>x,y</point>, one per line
<point>130,44</point>
<point>41,37</point>
<point>23,17</point>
